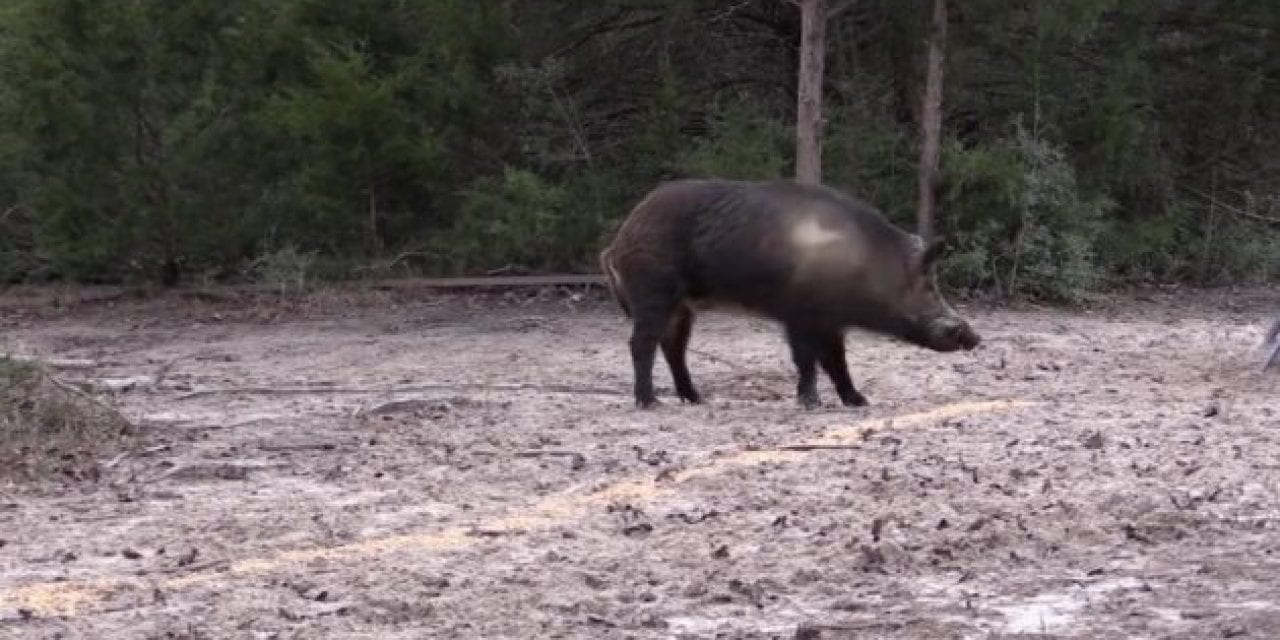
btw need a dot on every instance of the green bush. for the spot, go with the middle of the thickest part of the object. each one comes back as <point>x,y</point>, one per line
<point>742,144</point>
<point>516,220</point>
<point>1020,222</point>
<point>1149,248</point>
<point>1240,252</point>
<point>19,258</point>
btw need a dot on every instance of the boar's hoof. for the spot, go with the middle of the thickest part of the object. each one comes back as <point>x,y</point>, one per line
<point>854,399</point>
<point>691,396</point>
<point>648,403</point>
<point>809,401</point>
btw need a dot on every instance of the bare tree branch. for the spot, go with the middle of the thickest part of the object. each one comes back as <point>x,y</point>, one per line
<point>1235,211</point>
<point>729,12</point>
<point>840,8</point>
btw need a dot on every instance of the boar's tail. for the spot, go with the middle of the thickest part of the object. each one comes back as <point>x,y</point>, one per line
<point>613,280</point>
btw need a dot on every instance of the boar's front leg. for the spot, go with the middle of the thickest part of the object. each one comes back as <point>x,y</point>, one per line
<point>811,347</point>
<point>831,356</point>
<point>674,345</point>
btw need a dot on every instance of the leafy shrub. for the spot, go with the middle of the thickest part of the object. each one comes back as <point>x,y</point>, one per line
<point>19,258</point>
<point>1149,248</point>
<point>742,144</point>
<point>516,220</point>
<point>1022,224</point>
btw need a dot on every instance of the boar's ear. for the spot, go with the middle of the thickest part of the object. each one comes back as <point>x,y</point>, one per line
<point>932,251</point>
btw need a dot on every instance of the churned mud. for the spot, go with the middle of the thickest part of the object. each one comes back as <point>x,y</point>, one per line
<point>424,466</point>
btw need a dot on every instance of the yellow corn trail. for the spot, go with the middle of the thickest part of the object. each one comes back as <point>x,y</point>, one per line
<point>78,598</point>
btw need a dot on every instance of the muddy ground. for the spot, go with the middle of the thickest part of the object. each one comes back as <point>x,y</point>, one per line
<point>415,465</point>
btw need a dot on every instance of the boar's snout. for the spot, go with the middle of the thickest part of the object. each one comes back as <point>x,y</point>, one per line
<point>951,334</point>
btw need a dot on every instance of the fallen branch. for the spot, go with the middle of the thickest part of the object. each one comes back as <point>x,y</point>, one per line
<point>54,363</point>
<point>207,470</point>
<point>715,358</point>
<point>465,386</point>
<point>387,266</point>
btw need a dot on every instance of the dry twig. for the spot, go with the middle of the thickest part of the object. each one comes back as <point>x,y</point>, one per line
<point>817,447</point>
<point>715,358</point>
<point>1233,210</point>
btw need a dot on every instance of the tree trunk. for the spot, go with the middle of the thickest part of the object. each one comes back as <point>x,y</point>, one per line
<point>813,25</point>
<point>375,243</point>
<point>931,124</point>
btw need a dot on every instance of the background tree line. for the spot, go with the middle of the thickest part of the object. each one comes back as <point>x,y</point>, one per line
<point>1083,141</point>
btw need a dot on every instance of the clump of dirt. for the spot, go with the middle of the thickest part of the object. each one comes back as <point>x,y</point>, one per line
<point>50,429</point>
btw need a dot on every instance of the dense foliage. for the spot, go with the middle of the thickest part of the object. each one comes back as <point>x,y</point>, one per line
<point>1086,140</point>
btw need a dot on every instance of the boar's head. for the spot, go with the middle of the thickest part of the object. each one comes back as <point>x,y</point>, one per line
<point>928,320</point>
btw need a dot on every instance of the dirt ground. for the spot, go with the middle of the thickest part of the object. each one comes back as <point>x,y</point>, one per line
<point>417,465</point>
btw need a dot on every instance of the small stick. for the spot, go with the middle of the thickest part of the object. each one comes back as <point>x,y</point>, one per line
<point>125,454</point>
<point>715,358</point>
<point>216,565</point>
<point>115,461</point>
<point>817,447</point>
<point>576,460</point>
<point>164,371</point>
<point>303,446</point>
<point>164,474</point>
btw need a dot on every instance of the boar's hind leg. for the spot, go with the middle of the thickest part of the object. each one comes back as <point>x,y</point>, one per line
<point>674,345</point>
<point>651,317</point>
<point>831,356</point>
<point>805,347</point>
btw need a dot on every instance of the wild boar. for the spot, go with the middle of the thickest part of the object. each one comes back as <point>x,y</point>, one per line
<point>817,260</point>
